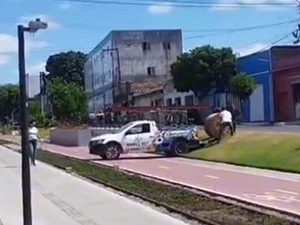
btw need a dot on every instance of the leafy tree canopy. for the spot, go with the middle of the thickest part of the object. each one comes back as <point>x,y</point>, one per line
<point>68,100</point>
<point>9,100</point>
<point>68,66</point>
<point>35,112</point>
<point>242,86</point>
<point>203,69</point>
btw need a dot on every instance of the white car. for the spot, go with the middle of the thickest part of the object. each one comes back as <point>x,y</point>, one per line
<point>135,137</point>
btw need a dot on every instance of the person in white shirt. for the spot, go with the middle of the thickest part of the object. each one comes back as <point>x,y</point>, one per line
<point>226,121</point>
<point>33,140</point>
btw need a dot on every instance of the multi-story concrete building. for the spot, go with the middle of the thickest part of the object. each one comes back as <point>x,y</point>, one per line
<point>128,56</point>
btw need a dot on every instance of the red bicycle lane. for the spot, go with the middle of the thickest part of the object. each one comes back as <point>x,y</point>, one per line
<point>275,193</point>
<point>278,194</point>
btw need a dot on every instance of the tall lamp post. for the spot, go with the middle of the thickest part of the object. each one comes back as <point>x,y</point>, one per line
<point>33,27</point>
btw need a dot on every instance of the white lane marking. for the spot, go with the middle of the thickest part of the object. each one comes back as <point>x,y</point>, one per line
<point>287,192</point>
<point>224,194</point>
<point>164,167</point>
<point>212,177</point>
<point>234,170</point>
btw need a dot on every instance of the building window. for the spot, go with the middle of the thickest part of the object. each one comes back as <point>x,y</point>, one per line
<point>189,100</point>
<point>166,46</point>
<point>151,71</point>
<point>146,46</point>
<point>178,101</point>
<point>169,102</point>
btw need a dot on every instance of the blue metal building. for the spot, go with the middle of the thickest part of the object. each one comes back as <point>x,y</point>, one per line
<point>260,106</point>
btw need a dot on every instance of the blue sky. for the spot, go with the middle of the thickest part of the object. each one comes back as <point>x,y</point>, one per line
<point>74,26</point>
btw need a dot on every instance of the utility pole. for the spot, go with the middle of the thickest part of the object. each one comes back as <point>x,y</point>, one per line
<point>296,33</point>
<point>42,91</point>
<point>33,26</point>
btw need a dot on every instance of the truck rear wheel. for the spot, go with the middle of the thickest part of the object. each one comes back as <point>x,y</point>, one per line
<point>112,152</point>
<point>179,146</point>
<point>103,156</point>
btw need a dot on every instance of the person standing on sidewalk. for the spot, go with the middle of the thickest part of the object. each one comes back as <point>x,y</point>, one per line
<point>33,141</point>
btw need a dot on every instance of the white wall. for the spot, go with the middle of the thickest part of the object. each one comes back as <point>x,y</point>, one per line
<point>135,60</point>
<point>174,94</point>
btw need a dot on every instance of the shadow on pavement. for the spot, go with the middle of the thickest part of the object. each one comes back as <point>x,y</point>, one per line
<point>129,158</point>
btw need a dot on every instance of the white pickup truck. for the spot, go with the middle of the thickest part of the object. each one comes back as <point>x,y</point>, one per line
<point>135,136</point>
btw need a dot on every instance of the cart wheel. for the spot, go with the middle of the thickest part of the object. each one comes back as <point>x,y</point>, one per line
<point>113,151</point>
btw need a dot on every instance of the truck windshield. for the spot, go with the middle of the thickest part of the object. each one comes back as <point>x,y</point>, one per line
<point>124,127</point>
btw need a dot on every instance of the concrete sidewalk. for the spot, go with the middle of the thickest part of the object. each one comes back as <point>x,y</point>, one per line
<point>60,198</point>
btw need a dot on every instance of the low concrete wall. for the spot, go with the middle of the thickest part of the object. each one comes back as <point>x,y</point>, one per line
<point>70,137</point>
<point>74,137</point>
<point>103,130</point>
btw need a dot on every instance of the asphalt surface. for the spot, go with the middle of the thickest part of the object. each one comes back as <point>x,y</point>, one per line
<point>277,190</point>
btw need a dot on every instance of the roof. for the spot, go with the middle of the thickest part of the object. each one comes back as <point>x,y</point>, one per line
<point>138,88</point>
<point>271,48</point>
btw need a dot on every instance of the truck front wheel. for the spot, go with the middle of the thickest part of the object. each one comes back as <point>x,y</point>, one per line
<point>112,152</point>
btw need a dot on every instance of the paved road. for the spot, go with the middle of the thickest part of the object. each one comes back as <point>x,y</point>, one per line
<point>269,188</point>
<point>60,198</point>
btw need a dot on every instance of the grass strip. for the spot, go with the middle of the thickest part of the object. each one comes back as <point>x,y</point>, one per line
<point>179,198</point>
<point>273,151</point>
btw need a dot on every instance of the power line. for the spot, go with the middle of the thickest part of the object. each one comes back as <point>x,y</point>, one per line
<point>234,30</point>
<point>274,43</point>
<point>296,33</point>
<point>217,32</point>
<point>244,28</point>
<point>221,31</point>
<point>180,3</point>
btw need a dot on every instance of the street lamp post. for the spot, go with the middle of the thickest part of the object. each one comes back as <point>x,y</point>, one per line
<point>33,26</point>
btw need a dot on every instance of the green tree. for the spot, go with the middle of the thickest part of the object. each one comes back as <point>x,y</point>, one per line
<point>35,112</point>
<point>34,107</point>
<point>68,66</point>
<point>9,100</point>
<point>242,86</point>
<point>203,69</point>
<point>68,100</point>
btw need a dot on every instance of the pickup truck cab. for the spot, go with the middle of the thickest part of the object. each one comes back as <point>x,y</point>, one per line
<point>135,136</point>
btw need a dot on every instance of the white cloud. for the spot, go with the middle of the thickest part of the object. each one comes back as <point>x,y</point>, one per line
<point>9,45</point>
<point>4,59</point>
<point>161,8</point>
<point>64,6</point>
<point>236,4</point>
<point>36,69</point>
<point>52,24</point>
<point>251,49</point>
<point>225,5</point>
